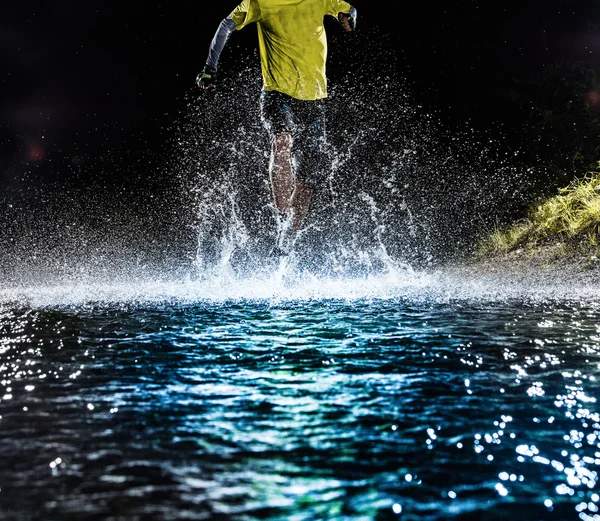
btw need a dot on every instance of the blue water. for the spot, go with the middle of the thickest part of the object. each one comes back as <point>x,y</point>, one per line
<point>413,399</point>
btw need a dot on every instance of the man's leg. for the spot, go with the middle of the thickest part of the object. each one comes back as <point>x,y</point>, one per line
<point>289,193</point>
<point>292,195</point>
<point>309,149</point>
<point>300,203</point>
<point>280,171</point>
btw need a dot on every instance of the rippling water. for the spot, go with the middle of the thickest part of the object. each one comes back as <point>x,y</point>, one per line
<point>346,400</point>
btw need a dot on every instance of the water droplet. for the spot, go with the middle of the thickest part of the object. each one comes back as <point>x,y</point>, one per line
<point>501,489</point>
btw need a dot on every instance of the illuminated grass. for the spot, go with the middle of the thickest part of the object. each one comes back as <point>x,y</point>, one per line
<point>572,217</point>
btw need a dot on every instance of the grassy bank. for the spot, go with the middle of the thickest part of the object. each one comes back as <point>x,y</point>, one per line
<point>565,225</point>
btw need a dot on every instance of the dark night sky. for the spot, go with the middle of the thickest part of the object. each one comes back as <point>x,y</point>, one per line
<point>81,78</point>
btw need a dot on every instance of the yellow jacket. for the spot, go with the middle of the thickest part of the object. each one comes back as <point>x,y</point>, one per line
<point>292,42</point>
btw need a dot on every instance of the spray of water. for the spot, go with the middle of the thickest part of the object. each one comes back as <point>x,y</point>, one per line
<point>403,196</point>
<point>401,192</point>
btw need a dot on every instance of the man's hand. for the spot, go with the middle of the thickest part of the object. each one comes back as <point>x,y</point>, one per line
<point>207,78</point>
<point>348,22</point>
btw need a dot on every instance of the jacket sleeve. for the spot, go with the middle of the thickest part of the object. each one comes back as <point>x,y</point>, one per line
<point>226,27</point>
<point>334,7</point>
<point>246,13</point>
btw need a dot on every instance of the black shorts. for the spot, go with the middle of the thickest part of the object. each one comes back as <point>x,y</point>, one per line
<point>305,120</point>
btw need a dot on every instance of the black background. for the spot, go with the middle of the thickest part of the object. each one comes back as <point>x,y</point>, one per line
<point>82,77</point>
<point>94,91</point>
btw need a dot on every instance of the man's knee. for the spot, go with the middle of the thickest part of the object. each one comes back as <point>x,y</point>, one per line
<point>282,142</point>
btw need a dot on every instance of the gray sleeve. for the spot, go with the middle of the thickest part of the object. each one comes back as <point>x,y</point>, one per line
<point>353,14</point>
<point>226,27</point>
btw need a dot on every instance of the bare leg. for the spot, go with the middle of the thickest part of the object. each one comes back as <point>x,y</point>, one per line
<point>300,203</point>
<point>280,171</point>
<point>289,193</point>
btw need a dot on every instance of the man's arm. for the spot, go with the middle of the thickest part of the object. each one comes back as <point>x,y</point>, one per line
<point>208,77</point>
<point>344,12</point>
<point>226,27</point>
<point>348,20</point>
<point>246,13</point>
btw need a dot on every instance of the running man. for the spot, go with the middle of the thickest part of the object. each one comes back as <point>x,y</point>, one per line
<point>293,53</point>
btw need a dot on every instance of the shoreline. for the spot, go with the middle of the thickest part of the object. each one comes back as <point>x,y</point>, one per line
<point>545,264</point>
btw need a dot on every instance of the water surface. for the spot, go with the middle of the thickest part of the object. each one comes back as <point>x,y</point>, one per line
<point>343,400</point>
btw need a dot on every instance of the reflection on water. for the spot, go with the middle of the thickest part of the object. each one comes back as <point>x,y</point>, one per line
<point>405,406</point>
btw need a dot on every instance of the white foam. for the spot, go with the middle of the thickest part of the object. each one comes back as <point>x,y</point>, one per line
<point>285,285</point>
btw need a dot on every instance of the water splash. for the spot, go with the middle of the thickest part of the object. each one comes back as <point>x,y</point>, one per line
<point>401,189</point>
<point>284,282</point>
<point>402,195</point>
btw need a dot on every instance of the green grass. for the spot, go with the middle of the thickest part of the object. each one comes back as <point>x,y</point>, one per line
<point>571,218</point>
